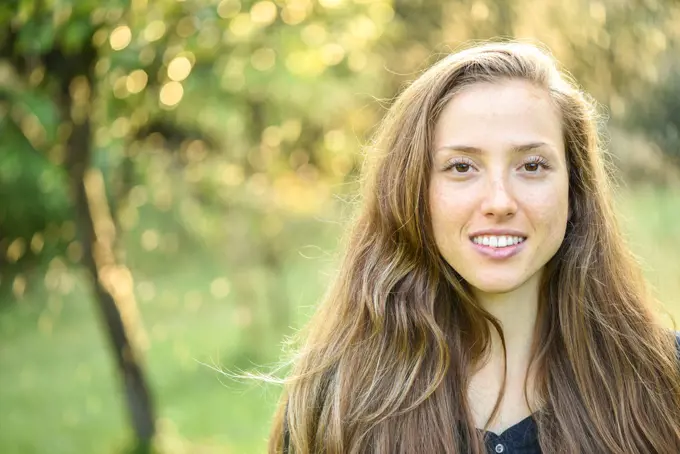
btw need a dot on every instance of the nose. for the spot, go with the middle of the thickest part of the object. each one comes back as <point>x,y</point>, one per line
<point>498,201</point>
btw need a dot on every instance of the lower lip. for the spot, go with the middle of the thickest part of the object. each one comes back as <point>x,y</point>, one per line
<point>498,253</point>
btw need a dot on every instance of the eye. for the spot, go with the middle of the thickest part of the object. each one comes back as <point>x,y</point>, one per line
<point>535,163</point>
<point>460,165</point>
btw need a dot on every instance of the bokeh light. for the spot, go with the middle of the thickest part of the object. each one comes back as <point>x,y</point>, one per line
<point>154,31</point>
<point>120,37</point>
<point>136,81</point>
<point>263,13</point>
<point>171,94</point>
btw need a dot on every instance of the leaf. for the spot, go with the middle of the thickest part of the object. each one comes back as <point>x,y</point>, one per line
<point>32,189</point>
<point>36,36</point>
<point>38,104</point>
<point>74,35</point>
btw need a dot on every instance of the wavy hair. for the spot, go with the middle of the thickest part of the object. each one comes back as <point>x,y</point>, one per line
<point>385,361</point>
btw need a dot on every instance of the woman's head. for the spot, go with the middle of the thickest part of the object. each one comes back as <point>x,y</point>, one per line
<point>387,357</point>
<point>499,184</point>
<point>525,137</point>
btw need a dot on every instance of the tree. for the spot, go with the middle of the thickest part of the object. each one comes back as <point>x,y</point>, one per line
<point>65,57</point>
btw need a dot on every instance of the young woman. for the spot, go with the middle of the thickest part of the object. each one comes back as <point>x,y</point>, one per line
<point>486,301</point>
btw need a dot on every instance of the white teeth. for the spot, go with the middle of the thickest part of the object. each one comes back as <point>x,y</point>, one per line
<point>498,241</point>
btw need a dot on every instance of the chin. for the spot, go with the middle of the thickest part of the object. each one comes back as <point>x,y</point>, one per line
<point>495,285</point>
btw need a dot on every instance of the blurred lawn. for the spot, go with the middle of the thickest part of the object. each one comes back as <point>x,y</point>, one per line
<point>58,390</point>
<point>59,393</point>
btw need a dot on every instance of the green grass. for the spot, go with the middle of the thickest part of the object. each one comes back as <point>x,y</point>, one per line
<point>59,392</point>
<point>651,220</point>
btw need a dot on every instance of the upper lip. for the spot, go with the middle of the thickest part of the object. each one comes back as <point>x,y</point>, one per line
<point>498,232</point>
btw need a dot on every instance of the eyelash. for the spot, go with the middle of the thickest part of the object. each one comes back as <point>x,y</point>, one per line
<point>532,160</point>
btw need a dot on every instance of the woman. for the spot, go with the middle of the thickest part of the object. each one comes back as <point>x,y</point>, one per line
<point>486,301</point>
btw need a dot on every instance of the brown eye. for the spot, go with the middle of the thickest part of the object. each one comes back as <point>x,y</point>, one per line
<point>461,167</point>
<point>536,164</point>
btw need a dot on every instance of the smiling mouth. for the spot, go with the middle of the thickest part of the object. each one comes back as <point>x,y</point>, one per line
<point>498,241</point>
<point>498,247</point>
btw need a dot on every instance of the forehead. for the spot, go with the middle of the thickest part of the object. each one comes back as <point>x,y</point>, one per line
<point>494,115</point>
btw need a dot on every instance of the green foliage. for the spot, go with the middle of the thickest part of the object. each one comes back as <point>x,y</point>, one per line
<point>659,116</point>
<point>38,104</point>
<point>32,189</point>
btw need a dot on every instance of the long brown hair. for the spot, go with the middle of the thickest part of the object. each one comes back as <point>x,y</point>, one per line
<point>385,362</point>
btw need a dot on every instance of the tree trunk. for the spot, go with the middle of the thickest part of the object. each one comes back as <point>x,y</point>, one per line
<point>113,283</point>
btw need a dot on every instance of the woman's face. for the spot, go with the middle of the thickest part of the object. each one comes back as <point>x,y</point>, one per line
<point>499,184</point>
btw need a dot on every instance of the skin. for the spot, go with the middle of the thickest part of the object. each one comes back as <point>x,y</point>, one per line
<point>493,186</point>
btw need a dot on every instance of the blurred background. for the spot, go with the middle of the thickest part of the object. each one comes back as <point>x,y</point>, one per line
<point>175,177</point>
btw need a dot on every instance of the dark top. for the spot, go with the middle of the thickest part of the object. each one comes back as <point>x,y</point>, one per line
<point>521,438</point>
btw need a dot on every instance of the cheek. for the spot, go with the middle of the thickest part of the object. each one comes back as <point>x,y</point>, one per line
<point>449,211</point>
<point>438,210</point>
<point>550,209</point>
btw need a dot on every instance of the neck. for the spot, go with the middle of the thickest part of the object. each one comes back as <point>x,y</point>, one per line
<point>516,311</point>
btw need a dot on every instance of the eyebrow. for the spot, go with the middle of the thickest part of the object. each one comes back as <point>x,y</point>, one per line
<point>523,148</point>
